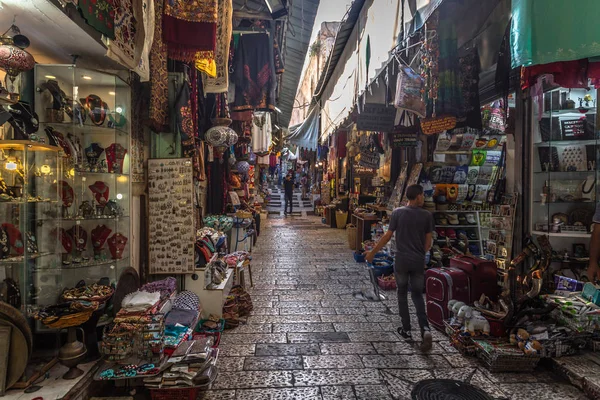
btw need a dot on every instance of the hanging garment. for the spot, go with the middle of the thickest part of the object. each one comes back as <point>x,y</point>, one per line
<point>99,14</point>
<point>185,121</point>
<point>126,47</point>
<point>543,32</point>
<point>253,74</point>
<point>278,60</point>
<point>470,114</point>
<point>148,21</point>
<point>159,85</point>
<point>190,29</point>
<point>218,81</point>
<point>261,132</point>
<point>449,100</point>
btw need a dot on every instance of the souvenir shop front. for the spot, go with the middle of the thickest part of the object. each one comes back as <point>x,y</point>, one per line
<point>129,206</point>
<point>511,185</point>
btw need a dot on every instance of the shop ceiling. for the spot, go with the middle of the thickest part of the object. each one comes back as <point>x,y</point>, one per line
<point>56,33</point>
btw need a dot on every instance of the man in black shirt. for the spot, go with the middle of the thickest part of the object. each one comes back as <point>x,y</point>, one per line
<point>288,186</point>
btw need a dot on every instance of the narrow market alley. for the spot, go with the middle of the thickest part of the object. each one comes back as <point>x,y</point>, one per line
<point>309,338</point>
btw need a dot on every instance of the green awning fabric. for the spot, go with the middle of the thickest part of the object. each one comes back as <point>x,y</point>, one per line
<point>546,31</point>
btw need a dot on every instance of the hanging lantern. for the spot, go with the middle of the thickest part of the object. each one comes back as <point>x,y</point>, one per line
<point>221,135</point>
<point>14,59</point>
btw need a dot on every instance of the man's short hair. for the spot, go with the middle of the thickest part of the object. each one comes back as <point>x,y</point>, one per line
<point>413,191</point>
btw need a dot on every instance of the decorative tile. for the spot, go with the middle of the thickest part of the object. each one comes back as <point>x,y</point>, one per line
<point>332,362</point>
<point>351,310</point>
<point>219,395</point>
<point>306,311</point>
<point>319,377</point>
<point>293,349</point>
<point>343,318</point>
<point>236,350</point>
<point>347,348</point>
<point>337,393</point>
<point>283,319</point>
<point>458,374</point>
<point>318,337</point>
<point>264,311</point>
<point>554,391</point>
<point>280,394</point>
<point>396,347</point>
<point>231,363</point>
<point>372,392</point>
<point>233,338</point>
<point>251,328</point>
<point>373,337</point>
<point>273,363</point>
<point>303,328</point>
<point>356,327</point>
<point>253,379</point>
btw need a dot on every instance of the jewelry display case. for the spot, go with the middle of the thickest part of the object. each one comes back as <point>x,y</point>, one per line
<point>86,114</point>
<point>28,202</point>
<point>564,159</point>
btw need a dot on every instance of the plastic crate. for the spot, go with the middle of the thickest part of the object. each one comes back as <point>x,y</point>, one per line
<point>386,285</point>
<point>359,257</point>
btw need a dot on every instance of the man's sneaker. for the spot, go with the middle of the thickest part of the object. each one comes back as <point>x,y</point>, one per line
<point>427,339</point>
<point>406,335</point>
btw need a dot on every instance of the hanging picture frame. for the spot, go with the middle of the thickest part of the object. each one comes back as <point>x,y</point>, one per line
<point>398,191</point>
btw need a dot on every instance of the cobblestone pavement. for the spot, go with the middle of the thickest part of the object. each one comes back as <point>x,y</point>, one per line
<point>276,205</point>
<point>308,338</point>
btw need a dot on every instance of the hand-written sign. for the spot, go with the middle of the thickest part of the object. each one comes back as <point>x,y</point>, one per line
<point>376,118</point>
<point>368,159</point>
<point>573,129</point>
<point>404,139</point>
<point>431,126</point>
<point>359,170</point>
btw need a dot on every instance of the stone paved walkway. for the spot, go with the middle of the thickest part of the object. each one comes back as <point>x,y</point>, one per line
<point>308,338</point>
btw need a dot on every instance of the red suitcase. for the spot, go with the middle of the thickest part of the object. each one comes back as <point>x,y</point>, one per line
<point>482,274</point>
<point>441,286</point>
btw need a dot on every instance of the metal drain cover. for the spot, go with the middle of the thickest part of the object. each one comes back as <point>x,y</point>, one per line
<point>447,389</point>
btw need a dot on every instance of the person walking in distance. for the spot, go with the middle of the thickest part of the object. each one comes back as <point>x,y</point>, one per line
<point>413,227</point>
<point>288,187</point>
<point>304,182</point>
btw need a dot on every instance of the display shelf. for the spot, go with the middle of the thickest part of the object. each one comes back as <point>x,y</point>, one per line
<point>71,266</point>
<point>563,234</point>
<point>20,145</point>
<point>565,143</point>
<point>474,226</point>
<point>573,111</point>
<point>563,202</point>
<point>86,129</point>
<point>20,259</point>
<point>564,172</point>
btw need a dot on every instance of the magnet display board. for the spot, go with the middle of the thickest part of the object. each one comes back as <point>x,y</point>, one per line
<point>171,215</point>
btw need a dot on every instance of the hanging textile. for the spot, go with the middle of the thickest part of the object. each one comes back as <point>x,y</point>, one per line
<point>99,14</point>
<point>139,106</point>
<point>148,20</point>
<point>547,31</point>
<point>218,81</point>
<point>261,132</point>
<point>449,100</point>
<point>126,47</point>
<point>159,94</point>
<point>253,73</point>
<point>470,113</point>
<point>278,59</point>
<point>190,29</point>
<point>185,120</point>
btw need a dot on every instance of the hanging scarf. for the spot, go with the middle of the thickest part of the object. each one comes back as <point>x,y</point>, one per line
<point>99,14</point>
<point>159,89</point>
<point>149,20</point>
<point>129,34</point>
<point>253,74</point>
<point>217,71</point>
<point>190,29</point>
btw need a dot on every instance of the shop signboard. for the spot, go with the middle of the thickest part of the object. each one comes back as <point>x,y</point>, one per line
<point>376,118</point>
<point>405,138</point>
<point>431,126</point>
<point>368,159</point>
<point>359,170</point>
<point>573,129</point>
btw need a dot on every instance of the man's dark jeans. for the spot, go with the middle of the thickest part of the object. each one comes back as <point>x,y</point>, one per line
<point>415,274</point>
<point>288,200</point>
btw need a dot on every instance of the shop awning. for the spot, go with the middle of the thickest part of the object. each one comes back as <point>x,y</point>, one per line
<point>548,31</point>
<point>416,13</point>
<point>305,134</point>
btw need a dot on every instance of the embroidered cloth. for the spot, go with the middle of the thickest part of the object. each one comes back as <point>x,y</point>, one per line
<point>159,85</point>
<point>217,71</point>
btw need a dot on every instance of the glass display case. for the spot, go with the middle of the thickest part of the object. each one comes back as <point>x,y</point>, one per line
<point>86,114</point>
<point>564,165</point>
<point>28,206</point>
